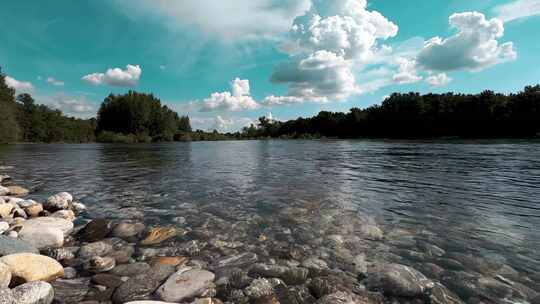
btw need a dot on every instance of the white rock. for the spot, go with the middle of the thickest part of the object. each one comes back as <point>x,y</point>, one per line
<point>13,234</point>
<point>4,190</point>
<point>42,238</point>
<point>5,276</point>
<point>185,284</point>
<point>58,201</point>
<point>33,293</point>
<point>64,214</point>
<point>3,227</point>
<point>78,207</point>
<point>49,222</point>
<point>5,210</point>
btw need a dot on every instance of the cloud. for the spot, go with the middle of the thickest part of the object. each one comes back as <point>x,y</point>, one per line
<point>19,86</point>
<point>325,45</point>
<point>55,82</point>
<point>517,9</point>
<point>220,123</point>
<point>475,46</point>
<point>116,77</point>
<point>438,80</point>
<point>407,72</point>
<point>71,106</point>
<point>239,99</point>
<point>229,20</point>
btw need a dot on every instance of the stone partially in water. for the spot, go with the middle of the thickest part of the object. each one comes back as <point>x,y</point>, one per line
<point>96,230</point>
<point>33,293</point>
<point>28,267</point>
<point>398,280</point>
<point>185,285</point>
<point>64,214</point>
<point>9,245</point>
<point>159,235</point>
<point>141,286</point>
<point>58,201</point>
<point>126,230</point>
<point>17,191</point>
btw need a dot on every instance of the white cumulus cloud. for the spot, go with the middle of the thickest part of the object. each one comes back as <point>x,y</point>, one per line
<point>116,77</point>
<point>55,82</point>
<point>76,106</point>
<point>438,80</point>
<point>19,86</point>
<point>518,9</point>
<point>220,123</point>
<point>474,47</point>
<point>239,99</point>
<point>407,72</point>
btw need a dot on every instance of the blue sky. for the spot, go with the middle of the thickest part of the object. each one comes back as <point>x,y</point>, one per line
<point>225,63</point>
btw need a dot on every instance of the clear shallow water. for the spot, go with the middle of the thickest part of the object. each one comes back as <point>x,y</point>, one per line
<point>479,199</point>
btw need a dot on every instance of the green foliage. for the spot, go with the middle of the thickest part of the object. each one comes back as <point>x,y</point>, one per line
<point>9,128</point>
<point>141,115</point>
<point>411,115</point>
<point>118,138</point>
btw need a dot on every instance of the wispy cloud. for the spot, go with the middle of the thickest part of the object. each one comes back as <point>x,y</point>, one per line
<point>518,9</point>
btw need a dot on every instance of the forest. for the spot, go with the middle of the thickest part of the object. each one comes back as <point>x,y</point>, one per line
<point>138,117</point>
<point>412,115</point>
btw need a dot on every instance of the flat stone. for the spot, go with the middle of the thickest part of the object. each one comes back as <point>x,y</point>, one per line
<point>96,230</point>
<point>109,280</point>
<point>58,201</point>
<point>70,291</point>
<point>5,276</point>
<point>141,286</point>
<point>29,267</point>
<point>9,245</point>
<point>398,280</point>
<point>129,270</point>
<point>185,285</point>
<point>17,191</point>
<point>41,238</point>
<point>127,230</point>
<point>34,293</point>
<point>49,222</point>
<point>159,235</point>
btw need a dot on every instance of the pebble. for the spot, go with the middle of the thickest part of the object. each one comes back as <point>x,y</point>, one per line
<point>94,249</point>
<point>109,280</point>
<point>64,214</point>
<point>4,226</point>
<point>69,273</point>
<point>33,293</point>
<point>31,267</point>
<point>185,285</point>
<point>130,270</point>
<point>48,222</point>
<point>5,210</point>
<point>70,291</point>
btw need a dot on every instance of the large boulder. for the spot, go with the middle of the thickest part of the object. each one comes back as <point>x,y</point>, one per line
<point>185,285</point>
<point>48,222</point>
<point>42,238</point>
<point>58,201</point>
<point>398,280</point>
<point>9,245</point>
<point>33,293</point>
<point>29,267</point>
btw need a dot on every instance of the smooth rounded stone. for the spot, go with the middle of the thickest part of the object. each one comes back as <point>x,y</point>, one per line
<point>41,238</point>
<point>145,253</point>
<point>397,280</point>
<point>4,226</point>
<point>108,280</point>
<point>49,222</point>
<point>64,214</point>
<point>122,255</point>
<point>70,291</point>
<point>18,212</point>
<point>94,249</point>
<point>259,288</point>
<point>185,285</point>
<point>58,201</point>
<point>18,191</point>
<point>9,245</point>
<point>159,235</point>
<point>29,267</point>
<point>439,294</point>
<point>69,273</point>
<point>127,230</point>
<point>78,207</point>
<point>96,230</point>
<point>4,191</point>
<point>34,210</point>
<point>129,270</point>
<point>13,234</point>
<point>141,286</point>
<point>34,293</point>
<point>5,210</point>
<point>64,253</point>
<point>5,276</point>
<point>98,264</point>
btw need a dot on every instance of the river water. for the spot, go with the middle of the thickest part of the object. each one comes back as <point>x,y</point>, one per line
<point>475,199</point>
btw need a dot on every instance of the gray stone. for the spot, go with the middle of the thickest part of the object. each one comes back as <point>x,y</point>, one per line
<point>129,270</point>
<point>398,280</point>
<point>9,245</point>
<point>185,285</point>
<point>6,296</point>
<point>48,222</point>
<point>141,286</point>
<point>58,201</point>
<point>239,260</point>
<point>98,264</point>
<point>127,230</point>
<point>70,291</point>
<point>41,238</point>
<point>34,293</point>
<point>441,295</point>
<point>69,273</point>
<point>3,227</point>
<point>259,288</point>
<point>108,280</point>
<point>338,298</point>
<point>96,230</point>
<point>94,249</point>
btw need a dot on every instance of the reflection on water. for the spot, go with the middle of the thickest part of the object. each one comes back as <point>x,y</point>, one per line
<point>478,199</point>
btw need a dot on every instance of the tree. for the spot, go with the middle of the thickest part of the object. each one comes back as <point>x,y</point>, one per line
<point>9,128</point>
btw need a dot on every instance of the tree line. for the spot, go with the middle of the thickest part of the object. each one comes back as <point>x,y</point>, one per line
<point>412,115</point>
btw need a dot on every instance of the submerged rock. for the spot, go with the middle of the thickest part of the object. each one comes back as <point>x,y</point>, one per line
<point>158,235</point>
<point>126,230</point>
<point>129,270</point>
<point>142,285</point>
<point>98,264</point>
<point>441,295</point>
<point>96,230</point>
<point>28,267</point>
<point>398,280</point>
<point>185,285</point>
<point>94,249</point>
<point>33,293</point>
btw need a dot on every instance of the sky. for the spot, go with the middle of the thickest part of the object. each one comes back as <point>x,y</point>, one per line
<point>226,63</point>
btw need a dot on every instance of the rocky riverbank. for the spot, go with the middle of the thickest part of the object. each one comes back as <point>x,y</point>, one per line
<point>50,252</point>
